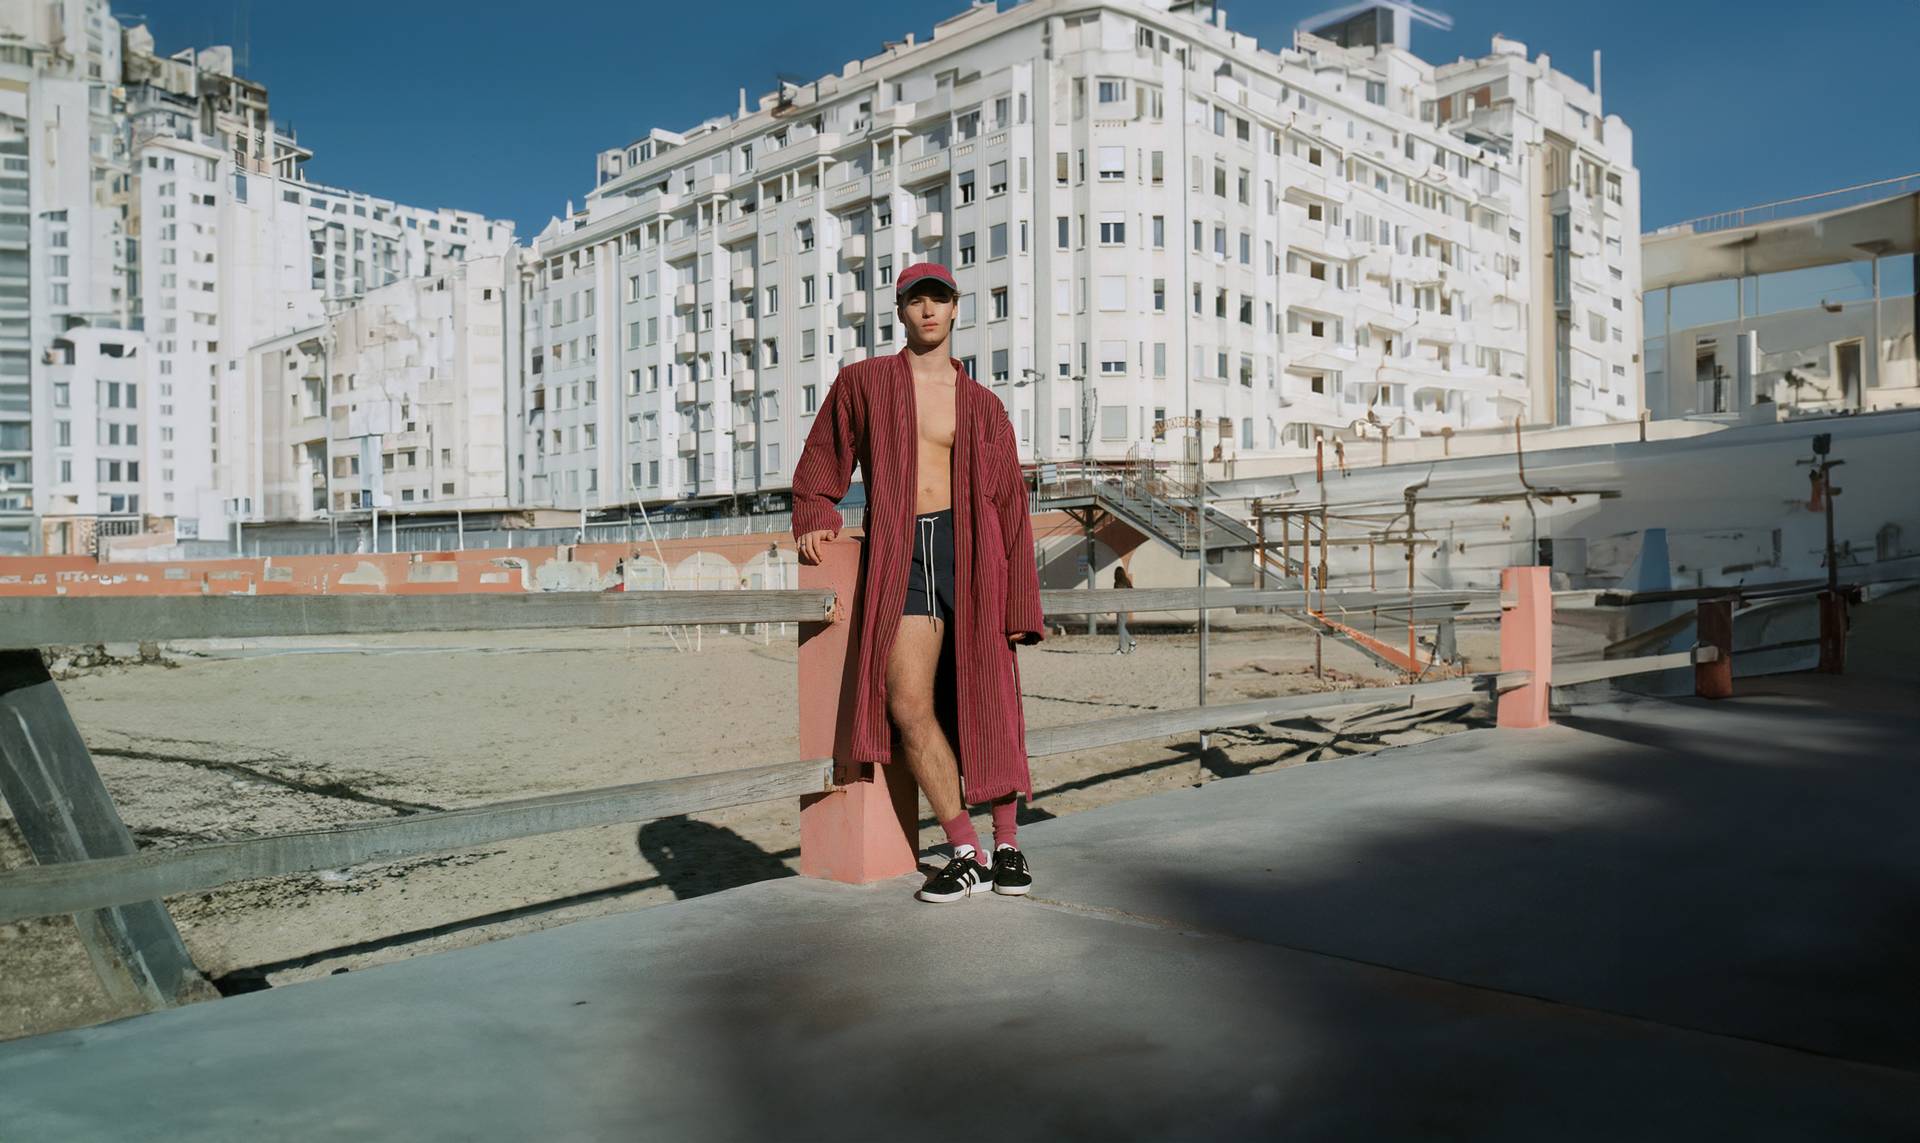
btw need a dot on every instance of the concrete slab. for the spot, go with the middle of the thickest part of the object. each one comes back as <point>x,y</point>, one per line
<point>1746,867</point>
<point>1704,905</point>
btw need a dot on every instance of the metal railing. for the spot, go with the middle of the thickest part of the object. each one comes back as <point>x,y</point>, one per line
<point>446,538</point>
<point>1796,207</point>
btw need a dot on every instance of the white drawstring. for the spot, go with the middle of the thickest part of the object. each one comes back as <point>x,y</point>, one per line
<point>926,566</point>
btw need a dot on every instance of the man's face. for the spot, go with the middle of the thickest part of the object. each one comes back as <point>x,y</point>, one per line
<point>928,317</point>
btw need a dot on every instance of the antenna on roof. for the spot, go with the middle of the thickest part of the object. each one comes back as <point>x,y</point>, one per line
<point>787,83</point>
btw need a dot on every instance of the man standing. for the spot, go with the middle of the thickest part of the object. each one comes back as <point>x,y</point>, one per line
<point>948,555</point>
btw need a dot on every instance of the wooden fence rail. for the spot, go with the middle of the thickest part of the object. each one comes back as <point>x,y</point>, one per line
<point>42,621</point>
<point>77,886</point>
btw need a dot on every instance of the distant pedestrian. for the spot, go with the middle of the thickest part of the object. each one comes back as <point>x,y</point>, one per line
<point>1122,579</point>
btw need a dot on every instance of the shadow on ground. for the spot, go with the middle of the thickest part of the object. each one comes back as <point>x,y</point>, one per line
<point>1644,922</point>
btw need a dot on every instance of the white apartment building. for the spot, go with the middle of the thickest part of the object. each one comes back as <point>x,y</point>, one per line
<point>1151,216</point>
<point>239,250</point>
<point>62,165</point>
<point>154,226</point>
<point>398,401</point>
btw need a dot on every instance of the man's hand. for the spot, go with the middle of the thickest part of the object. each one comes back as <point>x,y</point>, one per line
<point>810,544</point>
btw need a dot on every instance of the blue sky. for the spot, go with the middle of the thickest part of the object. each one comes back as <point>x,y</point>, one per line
<point>500,107</point>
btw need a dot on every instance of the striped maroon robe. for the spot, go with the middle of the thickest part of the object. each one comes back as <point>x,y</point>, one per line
<point>871,417</point>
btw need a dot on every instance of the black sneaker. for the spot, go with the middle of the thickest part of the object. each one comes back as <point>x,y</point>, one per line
<point>962,878</point>
<point>1010,876</point>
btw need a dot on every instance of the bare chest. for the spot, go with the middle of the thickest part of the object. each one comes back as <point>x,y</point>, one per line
<point>934,403</point>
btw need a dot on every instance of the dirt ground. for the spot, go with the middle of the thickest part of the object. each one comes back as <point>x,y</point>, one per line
<point>268,736</point>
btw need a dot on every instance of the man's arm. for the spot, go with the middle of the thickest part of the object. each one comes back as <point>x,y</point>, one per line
<point>826,461</point>
<point>1024,623</point>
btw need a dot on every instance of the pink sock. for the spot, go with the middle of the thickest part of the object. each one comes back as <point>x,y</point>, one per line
<point>959,829</point>
<point>1003,823</point>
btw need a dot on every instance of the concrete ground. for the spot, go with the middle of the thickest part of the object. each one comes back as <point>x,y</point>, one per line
<point>1654,920</point>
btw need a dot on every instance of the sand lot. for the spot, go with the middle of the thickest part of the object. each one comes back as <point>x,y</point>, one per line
<point>278,735</point>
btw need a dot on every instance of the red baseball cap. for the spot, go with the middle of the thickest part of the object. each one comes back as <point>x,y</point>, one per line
<point>922,274</point>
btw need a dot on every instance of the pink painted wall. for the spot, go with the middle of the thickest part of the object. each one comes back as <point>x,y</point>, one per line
<point>577,567</point>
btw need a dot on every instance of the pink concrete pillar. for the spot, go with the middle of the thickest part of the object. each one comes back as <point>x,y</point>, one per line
<point>866,828</point>
<point>1526,644</point>
<point>1714,624</point>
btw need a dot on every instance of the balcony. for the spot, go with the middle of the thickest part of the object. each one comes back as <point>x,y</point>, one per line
<point>926,168</point>
<point>852,356</point>
<point>853,306</point>
<point>744,329</point>
<point>743,383</point>
<point>684,296</point>
<point>686,392</point>
<point>744,280</point>
<point>853,249</point>
<point>743,435</point>
<point>842,195</point>
<point>681,249</point>
<point>931,229</point>
<point>739,228</point>
<point>896,118</point>
<point>689,444</point>
<point>686,345</point>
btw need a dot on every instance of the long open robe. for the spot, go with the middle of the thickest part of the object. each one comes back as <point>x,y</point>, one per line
<point>871,416</point>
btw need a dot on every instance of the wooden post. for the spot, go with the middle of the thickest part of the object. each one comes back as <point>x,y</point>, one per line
<point>1833,633</point>
<point>1306,561</point>
<point>1526,644</point>
<point>1714,627</point>
<point>48,779</point>
<point>1286,544</point>
<point>866,829</point>
<point>1260,538</point>
<point>1323,559</point>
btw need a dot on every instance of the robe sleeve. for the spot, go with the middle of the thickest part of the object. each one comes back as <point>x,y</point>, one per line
<point>1016,532</point>
<point>827,459</point>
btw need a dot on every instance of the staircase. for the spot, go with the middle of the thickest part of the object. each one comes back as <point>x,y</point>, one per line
<point>1151,500</point>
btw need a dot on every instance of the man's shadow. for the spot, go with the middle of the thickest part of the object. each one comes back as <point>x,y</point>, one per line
<point>694,858</point>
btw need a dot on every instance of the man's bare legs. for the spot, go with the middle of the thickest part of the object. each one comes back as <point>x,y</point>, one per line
<point>912,665</point>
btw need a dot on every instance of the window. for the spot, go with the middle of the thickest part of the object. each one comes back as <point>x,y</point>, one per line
<point>1113,292</point>
<point>806,344</point>
<point>1159,295</point>
<point>1376,92</point>
<point>809,398</point>
<point>997,178</point>
<point>1159,232</point>
<point>966,249</point>
<point>1159,167</point>
<point>772,305</point>
<point>966,187</point>
<point>1112,91</point>
<point>1061,233</point>
<point>1113,358</point>
<point>999,302</point>
<point>1060,167</point>
<point>1159,359</point>
<point>997,240</point>
<point>1113,164</point>
<point>1113,228</point>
